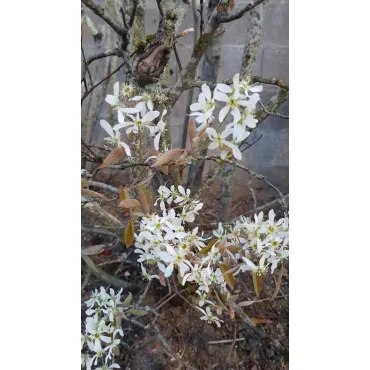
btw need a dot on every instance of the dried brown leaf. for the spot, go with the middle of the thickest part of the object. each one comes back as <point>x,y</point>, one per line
<point>129,203</point>
<point>257,283</point>
<point>84,183</point>
<point>129,234</point>
<point>162,279</point>
<point>164,169</point>
<point>192,132</point>
<point>257,321</point>
<point>168,157</point>
<point>245,303</point>
<point>206,249</point>
<point>229,277</point>
<point>116,155</point>
<point>93,194</point>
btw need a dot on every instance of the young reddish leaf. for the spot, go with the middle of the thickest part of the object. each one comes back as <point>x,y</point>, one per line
<point>164,169</point>
<point>168,157</point>
<point>123,195</point>
<point>93,194</point>
<point>147,195</point>
<point>114,156</point>
<point>232,249</point>
<point>231,4</point>
<point>202,132</point>
<point>143,201</point>
<point>162,279</point>
<point>129,203</point>
<point>206,249</point>
<point>192,132</point>
<point>229,278</point>
<point>257,283</point>
<point>129,234</point>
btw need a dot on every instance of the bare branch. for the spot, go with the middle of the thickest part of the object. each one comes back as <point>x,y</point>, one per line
<point>99,11</point>
<point>239,13</point>
<point>131,22</point>
<point>177,57</point>
<point>160,8</point>
<point>105,78</point>
<point>272,113</point>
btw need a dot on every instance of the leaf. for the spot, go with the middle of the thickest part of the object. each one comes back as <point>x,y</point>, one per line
<point>134,311</point>
<point>257,321</point>
<point>245,303</point>
<point>232,298</point>
<point>167,157</point>
<point>123,195</point>
<point>129,234</point>
<point>129,203</point>
<point>143,200</point>
<point>202,132</point>
<point>206,249</point>
<point>127,300</point>
<point>93,194</point>
<point>232,249</point>
<point>162,279</point>
<point>192,132</point>
<point>113,157</point>
<point>257,283</point>
<point>93,250</point>
<point>229,278</point>
<point>164,169</point>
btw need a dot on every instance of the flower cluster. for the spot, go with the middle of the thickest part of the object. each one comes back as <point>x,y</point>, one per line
<point>137,113</point>
<point>134,114</point>
<point>99,342</point>
<point>165,245</point>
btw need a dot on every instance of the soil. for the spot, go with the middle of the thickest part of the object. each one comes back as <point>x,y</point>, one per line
<point>178,321</point>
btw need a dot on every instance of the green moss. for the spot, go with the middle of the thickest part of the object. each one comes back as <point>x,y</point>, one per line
<point>171,15</point>
<point>140,46</point>
<point>149,38</point>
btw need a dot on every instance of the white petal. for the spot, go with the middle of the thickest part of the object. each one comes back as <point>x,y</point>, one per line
<point>236,152</point>
<point>156,141</point>
<point>256,89</point>
<point>130,110</point>
<point>223,112</point>
<point>110,99</point>
<point>181,189</point>
<point>213,146</point>
<point>150,105</point>
<point>127,148</point>
<point>107,127</point>
<point>236,82</point>
<point>224,88</point>
<point>136,98</point>
<point>211,131</point>
<point>121,116</point>
<point>236,114</point>
<point>250,122</point>
<point>220,96</point>
<point>169,270</point>
<point>150,116</point>
<point>206,91</point>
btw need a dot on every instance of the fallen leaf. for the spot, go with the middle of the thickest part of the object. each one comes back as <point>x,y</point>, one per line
<point>245,303</point>
<point>129,234</point>
<point>93,194</point>
<point>129,203</point>
<point>113,157</point>
<point>93,250</point>
<point>167,157</point>
<point>257,321</point>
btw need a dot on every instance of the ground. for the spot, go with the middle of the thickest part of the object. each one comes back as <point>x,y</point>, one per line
<point>178,321</point>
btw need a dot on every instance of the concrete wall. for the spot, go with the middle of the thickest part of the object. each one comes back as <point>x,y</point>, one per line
<point>270,156</point>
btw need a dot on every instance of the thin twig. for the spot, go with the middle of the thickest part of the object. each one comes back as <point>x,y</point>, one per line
<point>123,17</point>
<point>226,341</point>
<point>160,8</point>
<point>234,340</point>
<point>239,13</point>
<point>251,144</point>
<point>201,17</point>
<point>272,113</point>
<point>144,293</point>
<point>278,283</point>
<point>177,57</point>
<point>105,78</point>
<point>172,296</point>
<point>86,280</point>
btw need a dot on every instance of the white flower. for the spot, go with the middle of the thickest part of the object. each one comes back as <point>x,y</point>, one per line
<point>86,360</point>
<point>182,197</point>
<point>174,257</point>
<point>156,131</point>
<point>127,90</point>
<point>219,141</point>
<point>114,99</point>
<point>138,121</point>
<point>247,88</point>
<point>204,108</point>
<point>106,367</point>
<point>209,317</point>
<point>114,135</point>
<point>146,275</point>
<point>202,298</point>
<point>249,265</point>
<point>146,101</point>
<point>233,101</point>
